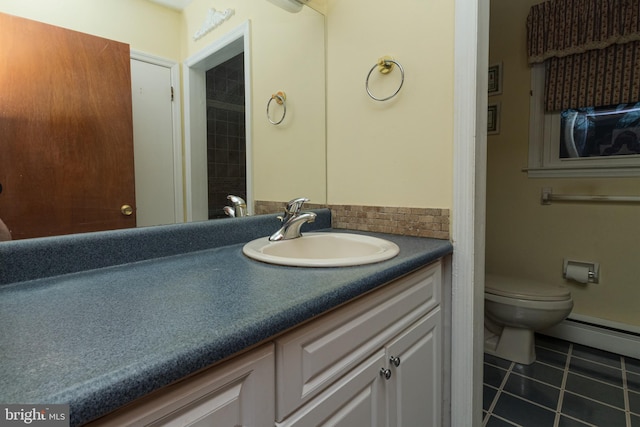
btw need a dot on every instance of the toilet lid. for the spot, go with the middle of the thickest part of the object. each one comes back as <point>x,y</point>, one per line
<point>525,289</point>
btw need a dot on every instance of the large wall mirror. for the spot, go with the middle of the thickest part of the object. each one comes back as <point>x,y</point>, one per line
<point>277,51</point>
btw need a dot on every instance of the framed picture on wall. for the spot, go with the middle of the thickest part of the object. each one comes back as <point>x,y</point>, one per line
<point>495,79</point>
<point>493,118</point>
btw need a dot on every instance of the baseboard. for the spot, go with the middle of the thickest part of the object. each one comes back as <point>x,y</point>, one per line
<point>604,337</point>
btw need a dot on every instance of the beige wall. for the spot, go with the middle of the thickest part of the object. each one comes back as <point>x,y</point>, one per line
<point>143,25</point>
<point>398,152</point>
<point>288,54</point>
<point>527,239</point>
<point>393,153</point>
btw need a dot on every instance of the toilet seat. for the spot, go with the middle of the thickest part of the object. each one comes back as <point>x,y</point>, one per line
<point>523,289</point>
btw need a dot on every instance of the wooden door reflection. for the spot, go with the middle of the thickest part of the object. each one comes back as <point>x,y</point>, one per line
<point>66,132</point>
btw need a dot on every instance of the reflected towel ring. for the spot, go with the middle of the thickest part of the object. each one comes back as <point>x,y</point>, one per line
<point>385,65</point>
<point>281,99</point>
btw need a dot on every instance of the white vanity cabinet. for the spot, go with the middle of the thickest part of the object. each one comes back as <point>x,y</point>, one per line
<point>375,361</point>
<point>340,369</point>
<point>415,363</point>
<point>238,392</point>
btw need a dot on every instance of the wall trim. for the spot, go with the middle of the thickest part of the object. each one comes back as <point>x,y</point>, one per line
<point>195,139</point>
<point>605,338</point>
<point>471,62</point>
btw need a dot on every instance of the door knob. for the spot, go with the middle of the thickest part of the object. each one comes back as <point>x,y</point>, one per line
<point>126,210</point>
<point>395,361</point>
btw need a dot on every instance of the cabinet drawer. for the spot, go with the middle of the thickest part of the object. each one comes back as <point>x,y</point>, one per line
<point>236,392</point>
<point>312,357</point>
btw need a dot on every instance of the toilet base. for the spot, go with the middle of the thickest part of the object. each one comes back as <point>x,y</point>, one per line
<point>514,344</point>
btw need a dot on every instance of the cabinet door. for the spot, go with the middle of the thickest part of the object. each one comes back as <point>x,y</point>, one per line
<point>414,388</point>
<point>236,393</point>
<point>357,399</point>
<point>312,357</point>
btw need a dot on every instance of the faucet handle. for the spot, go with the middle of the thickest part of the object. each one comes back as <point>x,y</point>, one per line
<point>239,205</point>
<point>294,206</point>
<point>235,200</point>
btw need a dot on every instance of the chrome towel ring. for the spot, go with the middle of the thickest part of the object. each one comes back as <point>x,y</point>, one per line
<point>281,99</point>
<point>385,66</point>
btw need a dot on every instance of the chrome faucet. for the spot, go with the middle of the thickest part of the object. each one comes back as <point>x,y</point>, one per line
<point>239,208</point>
<point>292,220</point>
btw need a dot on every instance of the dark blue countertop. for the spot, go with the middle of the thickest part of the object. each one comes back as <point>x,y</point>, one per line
<point>119,327</point>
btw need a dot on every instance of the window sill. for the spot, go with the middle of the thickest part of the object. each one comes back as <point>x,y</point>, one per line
<point>583,172</point>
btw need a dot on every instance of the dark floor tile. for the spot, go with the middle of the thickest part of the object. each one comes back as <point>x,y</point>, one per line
<point>551,357</point>
<point>532,390</point>
<point>496,361</point>
<point>488,394</point>
<point>632,365</point>
<point>552,343</point>
<point>570,422</point>
<point>522,412</point>
<point>634,402</point>
<point>596,371</point>
<point>565,421</point>
<point>596,355</point>
<point>493,376</point>
<point>635,420</point>
<point>633,381</point>
<point>596,390</point>
<point>497,422</point>
<point>538,371</point>
<point>591,412</point>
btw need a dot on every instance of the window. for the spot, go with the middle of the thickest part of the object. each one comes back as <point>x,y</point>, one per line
<point>599,141</point>
<point>610,131</point>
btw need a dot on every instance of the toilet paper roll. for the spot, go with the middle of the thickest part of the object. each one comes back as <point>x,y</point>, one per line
<point>579,273</point>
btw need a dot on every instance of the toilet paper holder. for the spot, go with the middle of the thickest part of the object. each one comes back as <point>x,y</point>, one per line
<point>581,271</point>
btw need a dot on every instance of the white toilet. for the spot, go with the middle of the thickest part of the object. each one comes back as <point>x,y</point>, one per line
<point>516,308</point>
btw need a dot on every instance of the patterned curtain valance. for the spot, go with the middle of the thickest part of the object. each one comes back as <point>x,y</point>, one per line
<point>558,28</point>
<point>603,77</point>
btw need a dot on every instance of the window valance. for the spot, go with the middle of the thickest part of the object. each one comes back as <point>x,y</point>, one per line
<point>591,50</point>
<point>558,28</point>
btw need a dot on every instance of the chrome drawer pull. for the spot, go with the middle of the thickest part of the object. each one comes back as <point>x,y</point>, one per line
<point>386,373</point>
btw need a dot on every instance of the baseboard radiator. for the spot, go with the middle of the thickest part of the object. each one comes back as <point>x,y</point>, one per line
<point>614,337</point>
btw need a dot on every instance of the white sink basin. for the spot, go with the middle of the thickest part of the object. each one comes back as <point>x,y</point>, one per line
<point>322,250</point>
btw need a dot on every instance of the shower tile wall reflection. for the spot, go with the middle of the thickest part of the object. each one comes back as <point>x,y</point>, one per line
<point>226,138</point>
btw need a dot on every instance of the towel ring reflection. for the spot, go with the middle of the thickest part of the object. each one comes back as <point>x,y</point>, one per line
<point>385,66</point>
<point>281,99</point>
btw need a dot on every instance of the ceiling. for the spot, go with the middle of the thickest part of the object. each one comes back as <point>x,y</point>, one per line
<point>173,4</point>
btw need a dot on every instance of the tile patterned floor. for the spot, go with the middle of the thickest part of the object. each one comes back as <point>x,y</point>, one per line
<point>569,385</point>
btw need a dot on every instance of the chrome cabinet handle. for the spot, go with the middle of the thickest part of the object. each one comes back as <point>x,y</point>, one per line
<point>395,361</point>
<point>386,373</point>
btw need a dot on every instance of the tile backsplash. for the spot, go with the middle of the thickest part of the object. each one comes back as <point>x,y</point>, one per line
<point>421,222</point>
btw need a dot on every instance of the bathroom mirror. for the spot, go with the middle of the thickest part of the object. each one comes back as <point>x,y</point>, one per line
<point>285,138</point>
<point>276,150</point>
